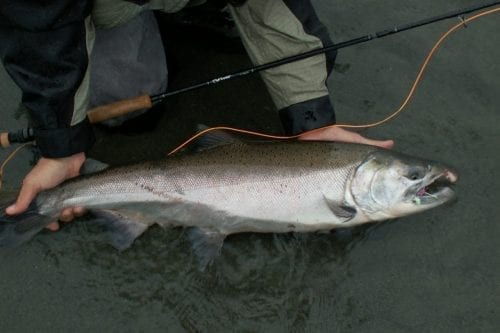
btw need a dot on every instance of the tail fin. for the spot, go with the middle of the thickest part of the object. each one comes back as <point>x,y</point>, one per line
<point>18,229</point>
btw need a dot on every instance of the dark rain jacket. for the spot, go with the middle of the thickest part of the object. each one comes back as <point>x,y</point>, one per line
<point>42,45</point>
<point>43,48</point>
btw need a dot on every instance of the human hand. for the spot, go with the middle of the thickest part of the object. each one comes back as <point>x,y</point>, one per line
<point>335,133</point>
<point>47,174</point>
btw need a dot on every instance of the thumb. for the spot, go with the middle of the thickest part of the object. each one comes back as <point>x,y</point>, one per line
<point>26,196</point>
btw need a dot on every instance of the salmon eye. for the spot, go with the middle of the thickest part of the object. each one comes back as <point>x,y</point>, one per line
<point>415,174</point>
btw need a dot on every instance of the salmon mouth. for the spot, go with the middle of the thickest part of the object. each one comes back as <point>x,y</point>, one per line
<point>438,190</point>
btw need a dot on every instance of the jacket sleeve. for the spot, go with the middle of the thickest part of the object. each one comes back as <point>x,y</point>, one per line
<point>43,46</point>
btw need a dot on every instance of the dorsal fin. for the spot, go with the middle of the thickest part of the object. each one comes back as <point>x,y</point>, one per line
<point>92,166</point>
<point>212,139</point>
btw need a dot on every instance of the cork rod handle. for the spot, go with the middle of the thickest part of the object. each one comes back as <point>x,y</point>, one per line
<point>119,108</point>
<point>4,140</point>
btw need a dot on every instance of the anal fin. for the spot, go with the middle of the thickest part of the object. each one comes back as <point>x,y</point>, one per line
<point>207,245</point>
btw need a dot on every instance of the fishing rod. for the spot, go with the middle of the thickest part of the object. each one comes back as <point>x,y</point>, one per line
<point>122,107</point>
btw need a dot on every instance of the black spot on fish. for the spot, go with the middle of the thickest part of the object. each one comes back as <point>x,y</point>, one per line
<point>148,188</point>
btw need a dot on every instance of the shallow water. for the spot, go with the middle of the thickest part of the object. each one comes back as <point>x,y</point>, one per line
<point>436,271</point>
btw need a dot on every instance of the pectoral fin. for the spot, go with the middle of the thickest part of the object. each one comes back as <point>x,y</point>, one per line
<point>341,210</point>
<point>207,245</point>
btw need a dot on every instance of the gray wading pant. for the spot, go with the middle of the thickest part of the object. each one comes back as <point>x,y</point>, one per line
<point>127,58</point>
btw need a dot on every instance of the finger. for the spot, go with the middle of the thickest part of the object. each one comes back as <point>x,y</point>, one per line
<point>66,215</point>
<point>26,195</point>
<point>78,211</point>
<point>386,144</point>
<point>54,226</point>
<point>69,214</point>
